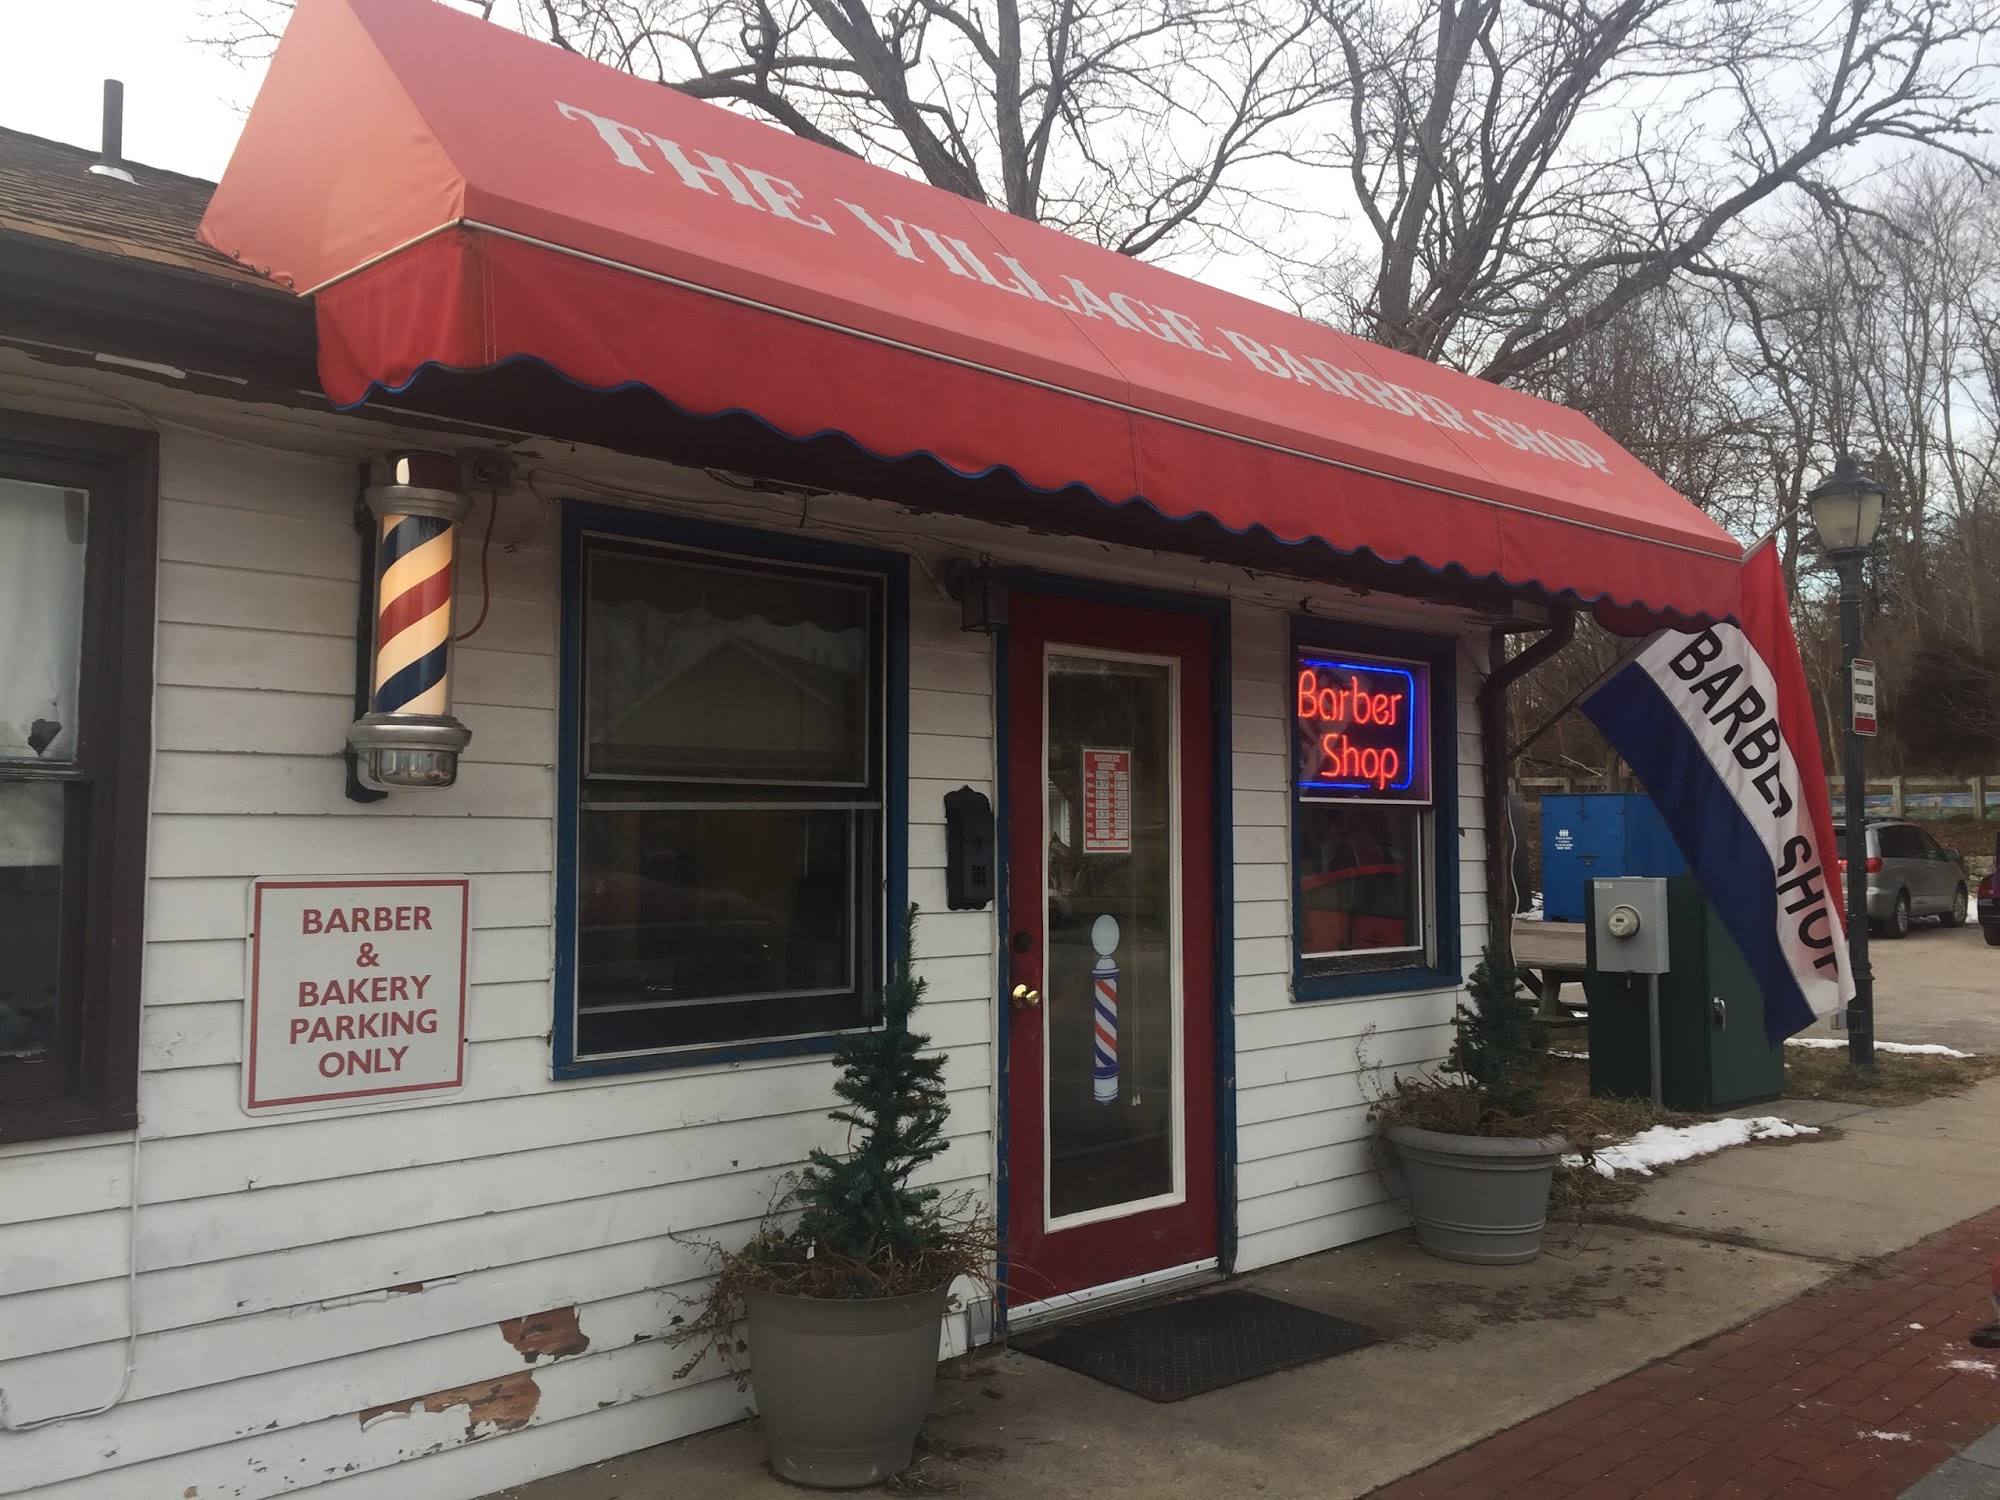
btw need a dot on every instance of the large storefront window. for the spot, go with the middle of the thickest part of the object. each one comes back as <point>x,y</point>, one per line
<point>731,825</point>
<point>1371,810</point>
<point>76,567</point>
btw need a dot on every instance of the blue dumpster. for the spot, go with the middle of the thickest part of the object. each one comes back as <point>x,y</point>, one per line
<point>1596,837</point>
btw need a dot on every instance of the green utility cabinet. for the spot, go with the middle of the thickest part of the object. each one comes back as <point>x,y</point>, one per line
<point>1712,1049</point>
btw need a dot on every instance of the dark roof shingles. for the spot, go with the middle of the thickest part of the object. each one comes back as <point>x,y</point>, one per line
<point>48,192</point>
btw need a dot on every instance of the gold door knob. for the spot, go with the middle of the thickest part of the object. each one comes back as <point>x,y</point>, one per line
<point>1025,998</point>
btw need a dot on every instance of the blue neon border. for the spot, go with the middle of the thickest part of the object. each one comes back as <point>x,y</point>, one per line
<point>1374,794</point>
<point>581,516</point>
<point>1222,674</point>
<point>1440,654</point>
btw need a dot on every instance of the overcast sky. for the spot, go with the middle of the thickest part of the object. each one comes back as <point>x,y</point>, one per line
<point>183,104</point>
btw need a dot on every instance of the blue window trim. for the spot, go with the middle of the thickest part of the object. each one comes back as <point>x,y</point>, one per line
<point>581,517</point>
<point>1222,674</point>
<point>1440,653</point>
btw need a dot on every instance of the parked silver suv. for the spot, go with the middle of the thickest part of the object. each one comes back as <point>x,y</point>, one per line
<point>1910,876</point>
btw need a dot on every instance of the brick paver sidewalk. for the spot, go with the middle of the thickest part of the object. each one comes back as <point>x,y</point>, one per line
<point>1857,1389</point>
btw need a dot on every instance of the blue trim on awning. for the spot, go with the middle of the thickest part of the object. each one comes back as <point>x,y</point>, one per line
<point>1665,616</point>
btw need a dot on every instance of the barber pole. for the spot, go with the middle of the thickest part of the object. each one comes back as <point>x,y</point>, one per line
<point>413,615</point>
<point>1104,984</point>
<point>408,738</point>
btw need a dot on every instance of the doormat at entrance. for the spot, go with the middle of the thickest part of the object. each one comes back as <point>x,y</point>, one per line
<point>1168,1351</point>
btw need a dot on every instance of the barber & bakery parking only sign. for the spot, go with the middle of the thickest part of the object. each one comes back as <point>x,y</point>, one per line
<point>357,991</point>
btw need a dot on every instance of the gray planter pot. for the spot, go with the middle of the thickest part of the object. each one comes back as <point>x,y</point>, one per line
<point>1478,1198</point>
<point>843,1386</point>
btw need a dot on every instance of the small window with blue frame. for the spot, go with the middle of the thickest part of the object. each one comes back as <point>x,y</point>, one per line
<point>1366,845</point>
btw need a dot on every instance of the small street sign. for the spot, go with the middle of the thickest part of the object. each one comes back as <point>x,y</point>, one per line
<point>1861,680</point>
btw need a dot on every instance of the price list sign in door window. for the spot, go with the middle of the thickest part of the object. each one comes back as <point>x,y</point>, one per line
<point>1107,801</point>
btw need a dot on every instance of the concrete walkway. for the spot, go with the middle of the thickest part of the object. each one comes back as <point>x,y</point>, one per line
<point>1893,1176</point>
<point>1467,1353</point>
<point>1973,1474</point>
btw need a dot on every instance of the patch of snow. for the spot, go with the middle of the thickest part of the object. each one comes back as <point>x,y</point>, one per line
<point>1579,1056</point>
<point>1889,1437</point>
<point>1663,1145</point>
<point>1906,1049</point>
<point>1918,1327</point>
<point>1977,1366</point>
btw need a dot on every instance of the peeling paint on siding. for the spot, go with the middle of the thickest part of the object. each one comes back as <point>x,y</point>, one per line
<point>491,1406</point>
<point>554,1333</point>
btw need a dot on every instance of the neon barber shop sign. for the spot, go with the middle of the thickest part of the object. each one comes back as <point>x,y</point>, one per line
<point>1362,728</point>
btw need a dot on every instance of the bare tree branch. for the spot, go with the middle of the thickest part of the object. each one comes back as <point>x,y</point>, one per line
<point>1530,170</point>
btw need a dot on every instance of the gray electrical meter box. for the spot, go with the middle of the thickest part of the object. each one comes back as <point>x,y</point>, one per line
<point>1630,916</point>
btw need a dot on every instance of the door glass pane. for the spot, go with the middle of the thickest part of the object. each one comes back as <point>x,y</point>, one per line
<point>1109,980</point>
<point>705,673</point>
<point>31,843</point>
<point>41,619</point>
<point>1360,877</point>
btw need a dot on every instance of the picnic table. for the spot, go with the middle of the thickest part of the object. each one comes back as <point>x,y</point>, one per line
<point>1555,952</point>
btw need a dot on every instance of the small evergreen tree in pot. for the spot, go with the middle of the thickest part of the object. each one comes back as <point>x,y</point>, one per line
<point>1502,1046</point>
<point>845,1283</point>
<point>858,1211</point>
<point>1478,1158</point>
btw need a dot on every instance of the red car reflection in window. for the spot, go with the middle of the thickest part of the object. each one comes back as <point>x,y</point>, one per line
<point>1356,907</point>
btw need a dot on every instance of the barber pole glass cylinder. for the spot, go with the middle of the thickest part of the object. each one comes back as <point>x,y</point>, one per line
<point>1104,988</point>
<point>408,737</point>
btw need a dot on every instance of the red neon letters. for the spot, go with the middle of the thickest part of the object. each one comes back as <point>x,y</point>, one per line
<point>1337,706</point>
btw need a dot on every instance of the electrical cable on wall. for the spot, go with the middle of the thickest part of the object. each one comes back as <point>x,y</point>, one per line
<point>485,565</point>
<point>7,1422</point>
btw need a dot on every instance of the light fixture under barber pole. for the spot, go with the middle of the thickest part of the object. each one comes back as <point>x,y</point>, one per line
<point>408,737</point>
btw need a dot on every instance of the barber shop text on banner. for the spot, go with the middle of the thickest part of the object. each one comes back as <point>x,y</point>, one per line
<point>1718,726</point>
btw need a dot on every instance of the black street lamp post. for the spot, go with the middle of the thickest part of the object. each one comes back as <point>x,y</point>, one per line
<point>1847,511</point>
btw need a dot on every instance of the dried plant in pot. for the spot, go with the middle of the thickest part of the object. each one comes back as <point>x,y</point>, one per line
<point>844,1287</point>
<point>1477,1150</point>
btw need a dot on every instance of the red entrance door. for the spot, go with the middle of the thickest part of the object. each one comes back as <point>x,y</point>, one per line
<point>1111,950</point>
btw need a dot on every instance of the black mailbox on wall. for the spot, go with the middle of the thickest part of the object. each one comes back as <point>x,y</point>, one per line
<point>969,855</point>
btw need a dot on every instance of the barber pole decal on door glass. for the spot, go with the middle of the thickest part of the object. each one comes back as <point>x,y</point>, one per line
<point>357,991</point>
<point>1104,1031</point>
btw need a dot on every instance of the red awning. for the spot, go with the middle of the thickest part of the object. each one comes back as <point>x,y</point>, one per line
<point>455,194</point>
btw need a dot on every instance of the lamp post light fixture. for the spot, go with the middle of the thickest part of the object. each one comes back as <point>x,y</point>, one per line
<point>1847,512</point>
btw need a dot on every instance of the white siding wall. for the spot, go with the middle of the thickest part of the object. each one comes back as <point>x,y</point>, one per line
<point>296,1273</point>
<point>1309,1174</point>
